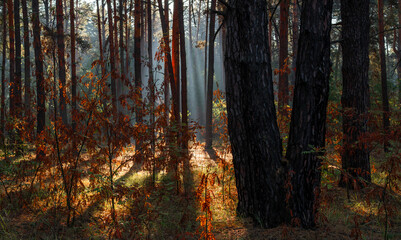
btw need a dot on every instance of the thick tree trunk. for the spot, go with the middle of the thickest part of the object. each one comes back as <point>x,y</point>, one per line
<point>254,134</point>
<point>12,56</point>
<point>40,84</point>
<point>383,70</point>
<point>206,42</point>
<point>399,52</point>
<point>137,54</point>
<point>112,58</point>
<point>73,64</point>
<point>18,67</point>
<point>166,41</point>
<point>295,36</point>
<point>3,76</point>
<point>283,91</point>
<point>355,96</point>
<point>175,48</point>
<point>61,60</point>
<point>308,120</point>
<point>122,61</point>
<point>209,85</point>
<point>99,29</point>
<point>27,61</point>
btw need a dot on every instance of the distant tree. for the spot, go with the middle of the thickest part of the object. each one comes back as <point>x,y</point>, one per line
<point>295,32</point>
<point>283,92</point>
<point>308,120</point>
<point>255,139</point>
<point>383,70</point>
<point>355,94</point>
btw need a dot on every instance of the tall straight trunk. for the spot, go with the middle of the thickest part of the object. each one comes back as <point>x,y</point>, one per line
<point>255,139</point>
<point>61,60</point>
<point>176,61</point>
<point>99,29</point>
<point>73,64</point>
<point>190,7</point>
<point>166,40</point>
<point>112,59</point>
<point>206,43</point>
<point>269,37</point>
<point>184,105</point>
<point>122,62</point>
<point>40,83</point>
<point>137,55</point>
<point>308,121</point>
<point>295,35</point>
<point>383,70</point>
<point>209,91</point>
<point>47,16</point>
<point>355,96</point>
<point>167,50</point>
<point>18,66</point>
<point>3,76</point>
<point>399,51</point>
<point>27,61</point>
<point>283,92</point>
<point>12,56</point>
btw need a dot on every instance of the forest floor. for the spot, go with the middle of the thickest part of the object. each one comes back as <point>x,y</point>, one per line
<point>160,213</point>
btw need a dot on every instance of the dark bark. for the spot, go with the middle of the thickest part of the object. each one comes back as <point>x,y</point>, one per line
<point>166,63</point>
<point>122,62</point>
<point>73,64</point>
<point>399,52</point>
<point>137,54</point>
<point>61,60</point>
<point>18,66</point>
<point>283,92</point>
<point>255,139</point>
<point>3,76</point>
<point>99,29</point>
<point>308,121</point>
<point>12,56</point>
<point>112,57</point>
<point>175,48</point>
<point>383,70</point>
<point>355,96</point>
<point>40,84</point>
<point>27,61</point>
<point>209,85</point>
<point>295,35</point>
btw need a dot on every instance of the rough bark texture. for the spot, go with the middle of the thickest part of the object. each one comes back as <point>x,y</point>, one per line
<point>283,92</point>
<point>99,29</point>
<point>166,63</point>
<point>122,81</point>
<point>209,85</point>
<point>308,121</point>
<point>112,60</point>
<point>73,64</point>
<point>12,56</point>
<point>18,66</point>
<point>40,84</point>
<point>27,61</point>
<point>137,54</point>
<point>61,60</point>
<point>175,48</point>
<point>3,76</point>
<point>254,134</point>
<point>295,36</point>
<point>399,52</point>
<point>383,69</point>
<point>355,97</point>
